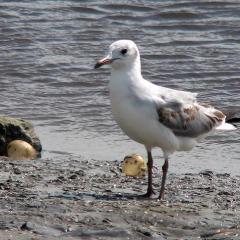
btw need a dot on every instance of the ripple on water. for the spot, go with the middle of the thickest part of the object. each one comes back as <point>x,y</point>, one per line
<point>49,49</point>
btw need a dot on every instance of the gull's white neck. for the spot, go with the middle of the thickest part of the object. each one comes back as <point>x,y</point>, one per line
<point>126,78</point>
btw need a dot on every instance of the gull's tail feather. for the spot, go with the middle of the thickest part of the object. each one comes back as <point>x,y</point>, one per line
<point>232,114</point>
<point>226,126</point>
<point>233,120</point>
<point>232,117</point>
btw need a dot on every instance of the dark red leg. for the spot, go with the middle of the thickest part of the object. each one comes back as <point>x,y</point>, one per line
<point>164,176</point>
<point>150,166</point>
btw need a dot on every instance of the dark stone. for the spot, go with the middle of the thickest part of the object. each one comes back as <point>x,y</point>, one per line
<point>41,229</point>
<point>73,176</point>
<point>17,170</point>
<point>223,175</point>
<point>207,173</point>
<point>187,227</point>
<point>226,193</point>
<point>17,129</point>
<point>80,173</point>
<point>145,232</point>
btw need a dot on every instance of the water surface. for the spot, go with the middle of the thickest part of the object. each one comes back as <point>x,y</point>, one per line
<point>48,50</point>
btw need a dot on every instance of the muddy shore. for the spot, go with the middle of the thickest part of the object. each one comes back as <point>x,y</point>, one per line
<point>79,199</point>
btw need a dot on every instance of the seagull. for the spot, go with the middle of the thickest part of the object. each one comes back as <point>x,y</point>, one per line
<point>153,115</point>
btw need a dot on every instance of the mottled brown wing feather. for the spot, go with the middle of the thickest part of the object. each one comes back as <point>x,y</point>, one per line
<point>190,121</point>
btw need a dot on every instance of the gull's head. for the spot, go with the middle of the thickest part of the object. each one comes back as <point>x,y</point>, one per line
<point>122,54</point>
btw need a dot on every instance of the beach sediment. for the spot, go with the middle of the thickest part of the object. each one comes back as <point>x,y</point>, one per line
<point>79,199</point>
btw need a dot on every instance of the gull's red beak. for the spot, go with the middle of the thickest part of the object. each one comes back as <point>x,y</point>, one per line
<point>103,61</point>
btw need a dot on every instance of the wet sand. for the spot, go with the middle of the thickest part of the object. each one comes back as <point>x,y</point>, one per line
<point>79,199</point>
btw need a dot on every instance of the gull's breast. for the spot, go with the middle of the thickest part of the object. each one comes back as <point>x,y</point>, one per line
<point>138,119</point>
<point>130,118</point>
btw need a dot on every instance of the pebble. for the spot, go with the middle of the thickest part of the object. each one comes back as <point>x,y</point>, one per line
<point>17,171</point>
<point>207,173</point>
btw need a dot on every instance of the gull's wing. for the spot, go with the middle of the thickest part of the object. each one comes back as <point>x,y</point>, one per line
<point>185,117</point>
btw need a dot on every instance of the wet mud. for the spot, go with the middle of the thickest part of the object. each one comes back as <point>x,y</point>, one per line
<point>80,199</point>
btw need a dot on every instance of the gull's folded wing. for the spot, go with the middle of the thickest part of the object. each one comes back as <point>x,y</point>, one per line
<point>190,119</point>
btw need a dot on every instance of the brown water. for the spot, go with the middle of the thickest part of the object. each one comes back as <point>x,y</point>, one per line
<point>47,53</point>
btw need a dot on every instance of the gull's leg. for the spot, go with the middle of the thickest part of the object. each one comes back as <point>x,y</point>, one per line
<point>164,176</point>
<point>150,166</point>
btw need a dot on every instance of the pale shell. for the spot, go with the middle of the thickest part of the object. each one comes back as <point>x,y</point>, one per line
<point>134,165</point>
<point>21,150</point>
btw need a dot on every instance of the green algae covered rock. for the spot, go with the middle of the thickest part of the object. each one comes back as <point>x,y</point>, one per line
<point>17,129</point>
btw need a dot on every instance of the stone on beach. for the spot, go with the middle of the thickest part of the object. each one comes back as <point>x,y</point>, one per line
<point>18,129</point>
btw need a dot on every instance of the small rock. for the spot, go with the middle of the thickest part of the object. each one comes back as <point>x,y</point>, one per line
<point>107,220</point>
<point>207,173</point>
<point>80,173</point>
<point>187,227</point>
<point>61,178</point>
<point>226,193</point>
<point>223,175</point>
<point>16,171</point>
<point>147,233</point>
<point>73,176</point>
<point>17,129</point>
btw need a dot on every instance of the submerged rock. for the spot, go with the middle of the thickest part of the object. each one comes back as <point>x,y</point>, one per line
<point>17,129</point>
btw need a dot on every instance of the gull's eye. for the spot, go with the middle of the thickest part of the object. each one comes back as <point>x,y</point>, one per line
<point>124,51</point>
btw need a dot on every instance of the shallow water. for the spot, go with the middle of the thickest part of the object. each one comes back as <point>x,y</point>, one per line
<point>48,50</point>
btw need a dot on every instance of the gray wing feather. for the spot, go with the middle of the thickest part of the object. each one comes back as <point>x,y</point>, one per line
<point>188,120</point>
